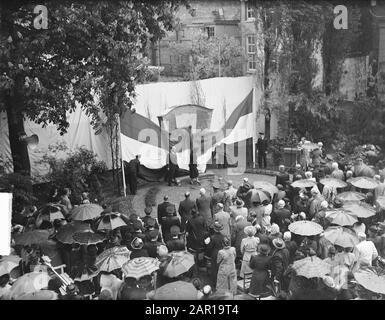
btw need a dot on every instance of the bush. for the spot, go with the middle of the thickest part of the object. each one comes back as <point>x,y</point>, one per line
<point>277,145</point>
<point>75,171</point>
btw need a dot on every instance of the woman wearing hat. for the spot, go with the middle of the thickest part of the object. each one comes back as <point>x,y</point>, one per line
<point>137,249</point>
<point>213,245</point>
<point>249,247</point>
<point>260,264</point>
<point>227,274</point>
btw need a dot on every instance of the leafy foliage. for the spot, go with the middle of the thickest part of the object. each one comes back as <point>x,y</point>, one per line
<point>75,171</point>
<point>277,145</point>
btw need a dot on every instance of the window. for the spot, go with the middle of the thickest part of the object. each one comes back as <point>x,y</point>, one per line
<point>209,31</point>
<point>251,53</point>
<point>250,12</point>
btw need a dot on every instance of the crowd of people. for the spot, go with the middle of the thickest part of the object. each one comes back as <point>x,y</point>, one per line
<point>236,236</point>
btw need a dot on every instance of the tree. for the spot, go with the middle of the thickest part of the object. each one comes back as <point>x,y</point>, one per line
<point>219,56</point>
<point>89,49</point>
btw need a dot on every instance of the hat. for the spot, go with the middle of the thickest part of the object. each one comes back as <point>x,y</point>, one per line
<point>216,185</point>
<point>147,210</point>
<point>187,194</point>
<point>281,204</point>
<point>280,186</point>
<point>165,198</point>
<point>362,235</point>
<point>239,203</point>
<point>328,281</point>
<point>262,133</point>
<point>287,236</point>
<point>324,204</point>
<point>298,165</point>
<point>170,210</point>
<point>263,249</point>
<point>303,215</point>
<point>150,222</point>
<point>137,243</point>
<point>174,230</point>
<point>250,231</point>
<point>207,289</point>
<point>202,190</point>
<point>162,250</point>
<point>154,234</point>
<point>274,228</point>
<point>320,144</point>
<point>278,243</point>
<point>220,205</point>
<point>245,179</point>
<point>217,226</point>
<point>137,225</point>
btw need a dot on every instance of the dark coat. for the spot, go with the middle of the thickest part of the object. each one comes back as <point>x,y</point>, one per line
<point>204,208</point>
<point>279,216</point>
<point>166,224</point>
<point>279,263</point>
<point>137,253</point>
<point>243,190</point>
<point>260,278</point>
<point>151,248</point>
<point>217,197</point>
<point>292,248</point>
<point>184,211</point>
<point>133,167</point>
<point>262,145</point>
<point>282,179</point>
<point>162,210</point>
<point>197,231</point>
<point>212,249</point>
<point>175,245</point>
<point>237,235</point>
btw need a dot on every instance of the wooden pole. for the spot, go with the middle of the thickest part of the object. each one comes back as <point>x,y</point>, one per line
<point>119,154</point>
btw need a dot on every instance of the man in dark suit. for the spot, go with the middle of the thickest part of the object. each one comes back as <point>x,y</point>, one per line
<point>176,243</point>
<point>196,231</point>
<point>167,222</point>
<point>217,197</point>
<point>281,216</point>
<point>204,206</point>
<point>133,172</point>
<point>283,177</point>
<point>262,149</point>
<point>184,210</point>
<point>162,209</point>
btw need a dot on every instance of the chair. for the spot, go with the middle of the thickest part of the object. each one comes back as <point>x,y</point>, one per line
<point>247,280</point>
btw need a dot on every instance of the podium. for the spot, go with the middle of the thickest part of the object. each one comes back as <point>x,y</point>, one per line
<point>291,156</point>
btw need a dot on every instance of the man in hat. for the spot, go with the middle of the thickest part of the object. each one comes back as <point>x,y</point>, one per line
<point>283,177</point>
<point>290,245</point>
<point>162,208</point>
<point>133,172</point>
<point>176,243</point>
<point>217,197</point>
<point>238,234</point>
<point>244,189</point>
<point>238,209</point>
<point>153,243</point>
<point>262,146</point>
<point>167,222</point>
<point>224,219</point>
<point>279,260</point>
<point>204,206</point>
<point>151,225</point>
<point>184,210</point>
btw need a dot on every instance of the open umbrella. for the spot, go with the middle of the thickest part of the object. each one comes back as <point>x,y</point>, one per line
<point>380,202</point>
<point>350,196</point>
<point>181,262</point>
<point>305,228</point>
<point>86,212</point>
<point>333,183</point>
<point>39,295</point>
<point>257,195</point>
<point>112,259</point>
<point>87,237</point>
<point>341,217</point>
<point>360,209</point>
<point>303,183</point>
<point>342,237</point>
<point>29,283</point>
<point>8,263</point>
<point>32,237</point>
<point>371,281</point>
<point>53,211</point>
<point>267,186</point>
<point>140,267</point>
<point>311,267</point>
<point>363,182</point>
<point>111,221</point>
<point>66,232</point>
<point>178,290</point>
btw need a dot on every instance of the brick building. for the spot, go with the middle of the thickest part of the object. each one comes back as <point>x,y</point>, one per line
<point>234,18</point>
